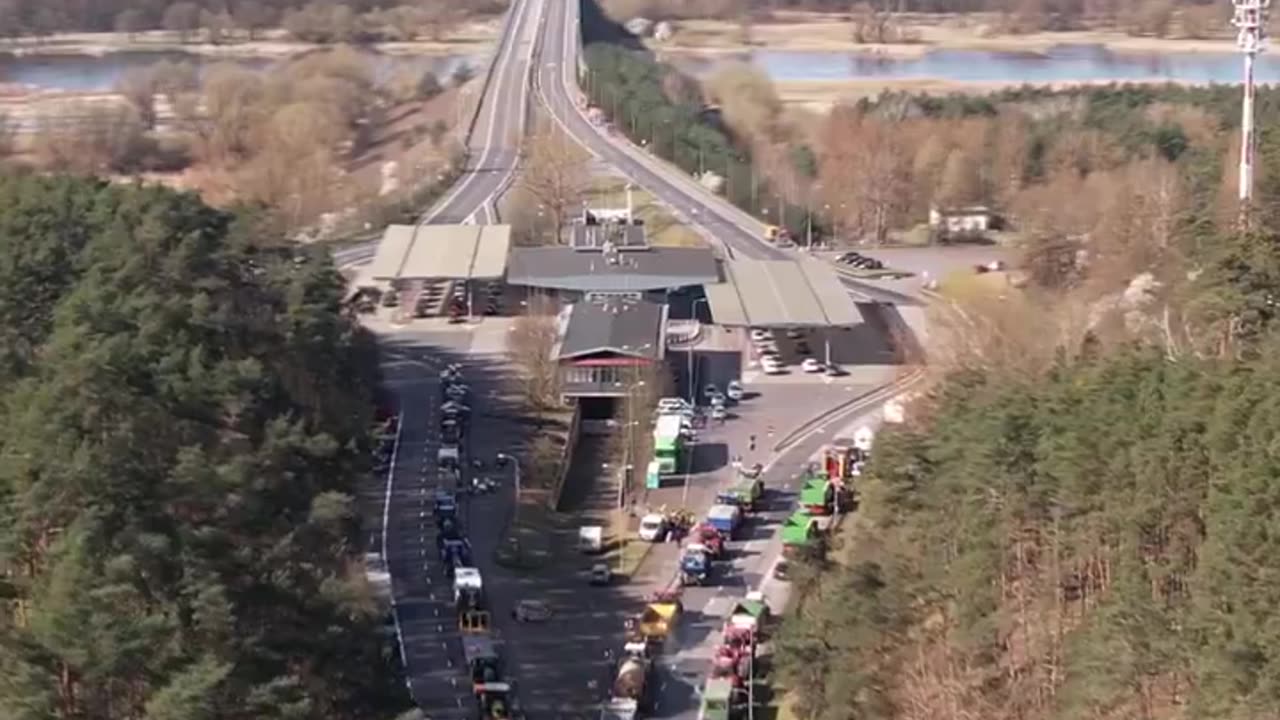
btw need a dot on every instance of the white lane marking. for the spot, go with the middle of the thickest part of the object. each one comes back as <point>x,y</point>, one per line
<point>386,518</point>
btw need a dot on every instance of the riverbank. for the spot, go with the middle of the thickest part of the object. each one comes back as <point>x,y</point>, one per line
<point>833,32</point>
<point>470,37</point>
<point>821,95</point>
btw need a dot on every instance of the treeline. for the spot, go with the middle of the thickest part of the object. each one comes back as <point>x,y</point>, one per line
<point>658,106</point>
<point>185,413</point>
<point>1062,164</point>
<point>1098,540</point>
<point>224,20</point>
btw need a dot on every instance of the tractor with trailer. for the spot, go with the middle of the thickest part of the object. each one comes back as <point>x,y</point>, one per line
<point>628,695</point>
<point>695,565</point>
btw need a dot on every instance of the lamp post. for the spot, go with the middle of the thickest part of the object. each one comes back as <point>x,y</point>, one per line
<point>515,472</point>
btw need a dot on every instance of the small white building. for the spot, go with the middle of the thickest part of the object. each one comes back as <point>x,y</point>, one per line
<point>971,220</point>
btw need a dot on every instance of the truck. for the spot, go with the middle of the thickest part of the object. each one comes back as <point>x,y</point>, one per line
<point>818,496</point>
<point>745,493</point>
<point>695,566</point>
<point>455,554</point>
<point>800,534</point>
<point>448,456</point>
<point>668,443</point>
<point>725,518</point>
<point>445,506</point>
<point>653,624</point>
<point>628,694</point>
<point>484,663</point>
<point>468,590</point>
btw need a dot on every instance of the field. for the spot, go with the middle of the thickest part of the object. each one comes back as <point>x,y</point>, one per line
<point>473,36</point>
<point>834,32</point>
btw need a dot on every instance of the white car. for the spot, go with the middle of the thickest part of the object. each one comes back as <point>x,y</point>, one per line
<point>653,527</point>
<point>758,335</point>
<point>734,390</point>
<point>812,365</point>
<point>672,405</point>
<point>772,366</point>
<point>795,334</point>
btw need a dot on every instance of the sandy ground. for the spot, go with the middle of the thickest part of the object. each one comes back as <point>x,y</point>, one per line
<point>833,32</point>
<point>468,37</point>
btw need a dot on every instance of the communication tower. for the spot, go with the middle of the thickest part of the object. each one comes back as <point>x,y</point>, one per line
<point>1251,20</point>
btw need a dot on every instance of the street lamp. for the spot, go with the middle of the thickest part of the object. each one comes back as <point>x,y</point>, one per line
<point>515,471</point>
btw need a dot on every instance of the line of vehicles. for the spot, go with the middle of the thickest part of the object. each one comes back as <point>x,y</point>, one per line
<point>481,645</point>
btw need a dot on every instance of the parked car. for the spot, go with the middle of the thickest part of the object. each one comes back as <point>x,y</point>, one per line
<point>758,335</point>
<point>772,366</point>
<point>795,334</point>
<point>710,391</point>
<point>672,405</point>
<point>734,390</point>
<point>653,527</point>
<point>812,365</point>
<point>531,611</point>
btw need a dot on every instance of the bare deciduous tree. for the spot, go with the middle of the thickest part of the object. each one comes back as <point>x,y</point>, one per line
<point>866,161</point>
<point>531,344</point>
<point>554,172</point>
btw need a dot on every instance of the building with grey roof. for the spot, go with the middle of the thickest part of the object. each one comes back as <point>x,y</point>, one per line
<point>612,270</point>
<point>605,346</point>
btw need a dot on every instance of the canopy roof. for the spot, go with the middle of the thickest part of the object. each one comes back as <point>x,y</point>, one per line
<point>781,294</point>
<point>454,252</point>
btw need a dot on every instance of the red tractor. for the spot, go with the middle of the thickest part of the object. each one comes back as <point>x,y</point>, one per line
<point>732,662</point>
<point>706,535</point>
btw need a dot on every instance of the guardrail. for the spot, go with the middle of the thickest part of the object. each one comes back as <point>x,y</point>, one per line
<point>488,72</point>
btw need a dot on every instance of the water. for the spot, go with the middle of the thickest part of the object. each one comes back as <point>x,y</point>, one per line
<point>1063,63</point>
<point>88,73</point>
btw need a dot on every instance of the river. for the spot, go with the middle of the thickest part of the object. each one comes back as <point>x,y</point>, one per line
<point>93,73</point>
<point>1060,64</point>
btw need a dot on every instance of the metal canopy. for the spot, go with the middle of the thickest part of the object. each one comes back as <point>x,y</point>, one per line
<point>456,252</point>
<point>781,293</point>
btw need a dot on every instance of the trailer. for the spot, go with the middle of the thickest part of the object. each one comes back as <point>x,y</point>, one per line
<point>725,518</point>
<point>484,663</point>
<point>495,701</point>
<point>630,685</point>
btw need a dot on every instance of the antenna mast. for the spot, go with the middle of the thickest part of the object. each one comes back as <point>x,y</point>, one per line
<point>1251,20</point>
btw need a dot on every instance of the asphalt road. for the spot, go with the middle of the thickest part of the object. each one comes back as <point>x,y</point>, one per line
<point>494,143</point>
<point>423,595</point>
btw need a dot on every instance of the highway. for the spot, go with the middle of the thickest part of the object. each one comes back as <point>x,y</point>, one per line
<point>534,62</point>
<point>494,141</point>
<point>718,220</point>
